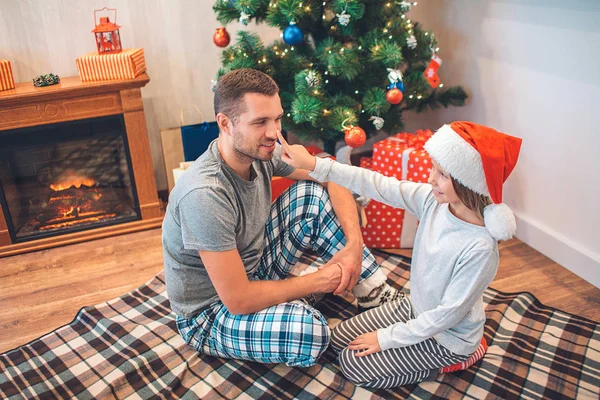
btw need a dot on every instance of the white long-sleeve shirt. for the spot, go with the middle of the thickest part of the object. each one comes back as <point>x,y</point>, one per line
<point>453,261</point>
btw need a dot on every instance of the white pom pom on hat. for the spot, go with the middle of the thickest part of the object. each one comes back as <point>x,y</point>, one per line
<point>481,159</point>
<point>499,221</point>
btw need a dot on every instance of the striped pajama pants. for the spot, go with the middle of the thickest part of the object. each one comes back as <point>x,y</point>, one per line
<point>392,367</point>
<point>293,333</point>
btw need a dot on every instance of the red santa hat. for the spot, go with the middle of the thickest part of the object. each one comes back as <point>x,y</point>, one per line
<point>481,159</point>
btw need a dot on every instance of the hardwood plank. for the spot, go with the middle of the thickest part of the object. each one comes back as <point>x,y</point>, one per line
<point>45,289</point>
<point>42,291</point>
<point>76,237</point>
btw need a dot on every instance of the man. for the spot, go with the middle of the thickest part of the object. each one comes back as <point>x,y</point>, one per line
<point>228,251</point>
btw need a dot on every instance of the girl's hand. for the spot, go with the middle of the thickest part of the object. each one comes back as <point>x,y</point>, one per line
<point>296,155</point>
<point>365,344</point>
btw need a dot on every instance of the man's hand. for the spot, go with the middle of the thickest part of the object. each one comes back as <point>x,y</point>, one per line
<point>365,344</point>
<point>330,276</point>
<point>350,260</point>
<point>296,155</point>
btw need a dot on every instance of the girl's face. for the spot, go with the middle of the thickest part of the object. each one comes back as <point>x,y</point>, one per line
<point>442,185</point>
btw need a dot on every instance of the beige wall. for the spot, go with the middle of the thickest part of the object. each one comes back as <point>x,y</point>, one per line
<point>41,36</point>
<point>530,67</point>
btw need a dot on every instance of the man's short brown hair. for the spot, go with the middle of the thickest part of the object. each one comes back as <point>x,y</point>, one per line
<point>232,87</point>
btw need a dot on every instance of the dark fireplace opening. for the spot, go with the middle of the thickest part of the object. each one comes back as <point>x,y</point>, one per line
<point>66,177</point>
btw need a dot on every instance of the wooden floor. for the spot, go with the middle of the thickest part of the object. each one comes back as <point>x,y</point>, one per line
<point>42,291</point>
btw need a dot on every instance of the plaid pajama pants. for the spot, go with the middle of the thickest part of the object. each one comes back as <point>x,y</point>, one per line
<point>293,333</point>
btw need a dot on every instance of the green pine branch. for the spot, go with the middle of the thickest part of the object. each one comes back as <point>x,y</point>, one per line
<point>452,96</point>
<point>339,75</point>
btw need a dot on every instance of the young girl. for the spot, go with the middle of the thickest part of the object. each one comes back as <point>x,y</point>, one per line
<point>455,255</point>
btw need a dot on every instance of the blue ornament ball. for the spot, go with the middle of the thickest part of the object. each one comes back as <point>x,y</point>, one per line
<point>292,35</point>
<point>397,85</point>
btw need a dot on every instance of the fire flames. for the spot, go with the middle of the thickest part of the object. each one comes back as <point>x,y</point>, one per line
<point>72,179</point>
<point>75,200</point>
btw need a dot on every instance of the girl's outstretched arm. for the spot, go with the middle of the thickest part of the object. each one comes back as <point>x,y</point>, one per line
<point>388,190</point>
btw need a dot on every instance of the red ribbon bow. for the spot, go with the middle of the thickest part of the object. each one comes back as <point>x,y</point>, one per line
<point>416,140</point>
<point>419,138</point>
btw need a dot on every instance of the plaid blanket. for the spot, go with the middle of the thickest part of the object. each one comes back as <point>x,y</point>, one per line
<point>129,348</point>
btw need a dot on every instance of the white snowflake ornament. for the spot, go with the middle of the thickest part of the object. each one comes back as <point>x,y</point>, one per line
<point>377,122</point>
<point>404,6</point>
<point>394,75</point>
<point>244,18</point>
<point>343,18</point>
<point>411,42</point>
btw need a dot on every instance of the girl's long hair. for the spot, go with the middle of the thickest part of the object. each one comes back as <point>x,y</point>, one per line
<point>472,200</point>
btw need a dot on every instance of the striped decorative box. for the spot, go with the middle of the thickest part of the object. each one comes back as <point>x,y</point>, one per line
<point>7,81</point>
<point>124,65</point>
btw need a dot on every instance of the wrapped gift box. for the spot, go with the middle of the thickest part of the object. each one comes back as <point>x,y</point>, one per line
<point>403,157</point>
<point>177,172</point>
<point>279,184</point>
<point>103,67</point>
<point>400,156</point>
<point>317,151</point>
<point>383,223</point>
<point>7,81</point>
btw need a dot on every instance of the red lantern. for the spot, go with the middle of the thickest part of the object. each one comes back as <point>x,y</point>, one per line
<point>107,35</point>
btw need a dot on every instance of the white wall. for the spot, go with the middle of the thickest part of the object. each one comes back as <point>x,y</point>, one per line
<point>531,68</point>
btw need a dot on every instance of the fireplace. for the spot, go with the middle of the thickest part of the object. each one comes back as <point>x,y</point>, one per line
<point>66,177</point>
<point>74,164</point>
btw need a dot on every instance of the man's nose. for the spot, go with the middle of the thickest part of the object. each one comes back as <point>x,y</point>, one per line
<point>272,131</point>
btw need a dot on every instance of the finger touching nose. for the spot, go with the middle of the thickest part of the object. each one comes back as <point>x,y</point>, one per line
<point>281,138</point>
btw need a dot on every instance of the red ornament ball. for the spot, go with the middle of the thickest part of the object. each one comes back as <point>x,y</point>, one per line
<point>394,96</point>
<point>221,37</point>
<point>355,136</point>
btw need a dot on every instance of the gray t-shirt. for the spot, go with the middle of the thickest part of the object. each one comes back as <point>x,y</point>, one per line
<point>453,262</point>
<point>212,208</point>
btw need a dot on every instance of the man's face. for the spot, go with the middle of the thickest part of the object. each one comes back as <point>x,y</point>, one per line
<point>255,132</point>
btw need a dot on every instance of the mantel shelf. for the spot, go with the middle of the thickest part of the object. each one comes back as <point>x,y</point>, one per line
<point>71,86</point>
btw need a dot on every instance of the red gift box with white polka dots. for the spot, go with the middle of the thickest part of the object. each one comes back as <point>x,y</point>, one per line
<point>401,156</point>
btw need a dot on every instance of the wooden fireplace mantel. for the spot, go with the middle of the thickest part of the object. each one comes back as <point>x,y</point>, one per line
<point>71,100</point>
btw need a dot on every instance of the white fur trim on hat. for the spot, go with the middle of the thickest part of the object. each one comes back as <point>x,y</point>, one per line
<point>458,158</point>
<point>499,221</point>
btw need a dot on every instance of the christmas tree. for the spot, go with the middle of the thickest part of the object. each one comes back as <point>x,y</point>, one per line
<point>341,63</point>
